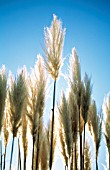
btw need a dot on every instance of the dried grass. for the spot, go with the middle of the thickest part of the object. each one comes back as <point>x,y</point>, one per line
<point>65,119</point>
<point>17,96</point>
<point>87,157</point>
<point>107,122</point>
<point>85,97</point>
<point>36,97</point>
<point>3,91</point>
<point>95,121</point>
<point>24,133</point>
<point>54,39</point>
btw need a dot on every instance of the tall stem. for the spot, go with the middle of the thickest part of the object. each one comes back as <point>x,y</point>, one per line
<point>84,144</point>
<point>19,155</point>
<point>96,162</point>
<point>33,153</point>
<point>24,161</point>
<point>4,158</point>
<point>11,152</point>
<point>1,153</point>
<point>80,134</point>
<point>37,156</point>
<point>52,130</point>
<point>81,151</point>
<point>109,161</point>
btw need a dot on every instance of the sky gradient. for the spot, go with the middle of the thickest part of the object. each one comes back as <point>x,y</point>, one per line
<point>87,26</point>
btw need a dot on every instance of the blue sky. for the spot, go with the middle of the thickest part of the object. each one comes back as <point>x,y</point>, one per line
<point>87,26</point>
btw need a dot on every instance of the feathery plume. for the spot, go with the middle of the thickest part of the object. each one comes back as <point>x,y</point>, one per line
<point>75,71</point>
<point>6,132</point>
<point>85,97</point>
<point>3,91</point>
<point>54,39</point>
<point>66,124</point>
<point>6,122</point>
<point>63,145</point>
<point>87,155</point>
<point>24,137</point>
<point>75,86</point>
<point>17,95</point>
<point>85,103</point>
<point>107,123</point>
<point>95,121</point>
<point>36,99</point>
<point>44,153</point>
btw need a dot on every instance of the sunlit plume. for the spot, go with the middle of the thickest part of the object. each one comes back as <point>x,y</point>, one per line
<point>75,71</point>
<point>3,93</point>
<point>106,107</point>
<point>54,40</point>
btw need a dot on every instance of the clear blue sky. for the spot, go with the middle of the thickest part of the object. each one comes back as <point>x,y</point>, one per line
<point>87,25</point>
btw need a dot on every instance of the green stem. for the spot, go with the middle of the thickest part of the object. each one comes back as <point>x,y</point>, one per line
<point>52,130</point>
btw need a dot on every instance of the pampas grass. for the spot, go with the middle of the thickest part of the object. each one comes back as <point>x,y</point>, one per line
<point>44,152</point>
<point>75,85</point>
<point>65,123</point>
<point>63,146</point>
<point>73,111</point>
<point>3,91</point>
<point>36,99</point>
<point>107,123</point>
<point>22,105</point>
<point>54,39</point>
<point>85,103</point>
<point>6,128</point>
<point>24,137</point>
<point>95,120</point>
<point>87,156</point>
<point>17,95</point>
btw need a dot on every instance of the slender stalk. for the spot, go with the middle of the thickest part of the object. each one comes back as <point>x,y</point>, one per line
<point>109,161</point>
<point>96,162</point>
<point>52,130</point>
<point>11,152</point>
<point>80,140</point>
<point>19,155</point>
<point>1,154</point>
<point>81,152</point>
<point>33,153</point>
<point>84,144</point>
<point>24,161</point>
<point>4,158</point>
<point>37,156</point>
